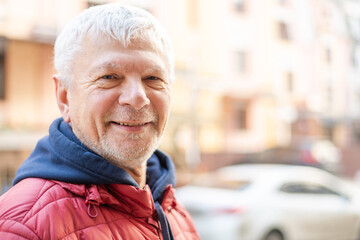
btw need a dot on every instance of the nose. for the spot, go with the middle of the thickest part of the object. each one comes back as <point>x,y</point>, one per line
<point>133,93</point>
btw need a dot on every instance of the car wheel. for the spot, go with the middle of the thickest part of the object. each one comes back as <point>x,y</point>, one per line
<point>274,235</point>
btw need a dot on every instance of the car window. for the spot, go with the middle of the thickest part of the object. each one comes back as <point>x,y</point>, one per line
<point>309,188</point>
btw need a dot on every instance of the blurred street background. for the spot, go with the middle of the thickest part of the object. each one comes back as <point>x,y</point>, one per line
<point>257,81</point>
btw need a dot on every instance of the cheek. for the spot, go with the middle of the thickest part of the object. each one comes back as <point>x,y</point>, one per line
<point>100,102</point>
<point>90,108</point>
<point>162,106</point>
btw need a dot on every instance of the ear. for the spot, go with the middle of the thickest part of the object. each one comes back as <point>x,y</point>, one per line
<point>61,92</point>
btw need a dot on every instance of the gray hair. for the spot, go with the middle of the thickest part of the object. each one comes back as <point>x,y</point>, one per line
<point>125,24</point>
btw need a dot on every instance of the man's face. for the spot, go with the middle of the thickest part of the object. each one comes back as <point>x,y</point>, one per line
<point>119,100</point>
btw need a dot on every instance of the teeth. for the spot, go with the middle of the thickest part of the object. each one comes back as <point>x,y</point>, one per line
<point>129,124</point>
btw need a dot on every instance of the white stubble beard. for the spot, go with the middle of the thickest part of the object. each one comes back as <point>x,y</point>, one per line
<point>127,156</point>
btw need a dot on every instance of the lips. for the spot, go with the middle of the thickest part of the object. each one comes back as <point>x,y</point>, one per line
<point>129,124</point>
<point>131,127</point>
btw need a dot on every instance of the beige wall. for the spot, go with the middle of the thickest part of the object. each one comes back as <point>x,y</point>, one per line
<point>30,99</point>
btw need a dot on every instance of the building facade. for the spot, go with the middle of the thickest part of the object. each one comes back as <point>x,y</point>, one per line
<point>251,75</point>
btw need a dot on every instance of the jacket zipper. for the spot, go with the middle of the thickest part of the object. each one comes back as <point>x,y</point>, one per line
<point>156,224</point>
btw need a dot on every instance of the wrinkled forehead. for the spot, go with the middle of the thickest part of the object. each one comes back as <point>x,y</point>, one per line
<point>147,42</point>
<point>105,53</point>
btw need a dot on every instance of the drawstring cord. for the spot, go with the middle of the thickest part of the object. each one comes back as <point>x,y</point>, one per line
<point>92,211</point>
<point>165,226</point>
<point>92,200</point>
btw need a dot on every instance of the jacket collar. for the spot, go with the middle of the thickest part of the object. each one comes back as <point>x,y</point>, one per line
<point>129,199</point>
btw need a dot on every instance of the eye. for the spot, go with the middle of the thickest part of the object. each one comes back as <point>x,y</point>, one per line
<point>107,81</point>
<point>155,82</point>
<point>152,78</point>
<point>108,77</point>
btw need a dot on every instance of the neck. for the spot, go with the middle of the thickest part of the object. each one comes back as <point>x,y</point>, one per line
<point>138,174</point>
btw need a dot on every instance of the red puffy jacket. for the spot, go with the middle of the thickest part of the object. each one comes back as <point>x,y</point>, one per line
<point>45,209</point>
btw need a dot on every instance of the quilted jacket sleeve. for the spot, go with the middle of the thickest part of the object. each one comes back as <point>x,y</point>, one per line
<point>10,229</point>
<point>15,205</point>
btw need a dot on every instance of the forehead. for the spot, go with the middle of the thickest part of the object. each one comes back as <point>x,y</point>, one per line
<point>110,53</point>
<point>149,44</point>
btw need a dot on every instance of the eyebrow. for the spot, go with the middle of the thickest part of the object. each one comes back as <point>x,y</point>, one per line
<point>105,66</point>
<point>111,65</point>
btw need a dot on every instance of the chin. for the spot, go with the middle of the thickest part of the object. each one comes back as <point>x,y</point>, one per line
<point>131,156</point>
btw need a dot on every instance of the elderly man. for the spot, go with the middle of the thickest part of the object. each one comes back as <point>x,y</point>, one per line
<point>98,174</point>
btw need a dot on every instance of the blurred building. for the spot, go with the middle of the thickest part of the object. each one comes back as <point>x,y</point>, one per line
<point>259,75</point>
<point>27,103</point>
<point>251,75</point>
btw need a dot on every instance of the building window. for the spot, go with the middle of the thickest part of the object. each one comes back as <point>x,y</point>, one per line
<point>329,131</point>
<point>289,82</point>
<point>241,61</point>
<point>237,114</point>
<point>356,131</point>
<point>239,5</point>
<point>328,55</point>
<point>283,31</point>
<point>241,115</point>
<point>329,96</point>
<point>192,12</point>
<point>2,67</point>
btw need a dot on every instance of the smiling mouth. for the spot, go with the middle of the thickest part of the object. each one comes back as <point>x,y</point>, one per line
<point>130,124</point>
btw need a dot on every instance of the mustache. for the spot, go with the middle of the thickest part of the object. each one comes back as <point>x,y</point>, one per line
<point>127,113</point>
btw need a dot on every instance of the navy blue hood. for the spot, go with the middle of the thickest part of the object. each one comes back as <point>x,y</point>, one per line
<point>61,156</point>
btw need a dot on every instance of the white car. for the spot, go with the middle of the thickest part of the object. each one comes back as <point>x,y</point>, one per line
<point>273,202</point>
